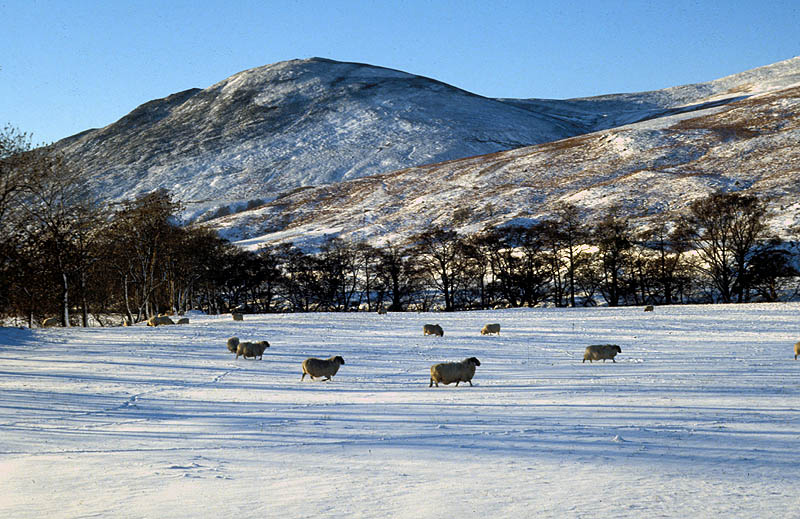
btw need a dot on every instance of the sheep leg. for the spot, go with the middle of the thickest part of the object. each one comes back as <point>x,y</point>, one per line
<point>470,383</point>
<point>614,361</point>
<point>304,376</point>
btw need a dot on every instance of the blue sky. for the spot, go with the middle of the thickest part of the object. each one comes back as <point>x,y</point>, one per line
<point>67,66</point>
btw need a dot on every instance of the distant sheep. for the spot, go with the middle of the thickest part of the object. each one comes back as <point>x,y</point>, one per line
<point>796,349</point>
<point>490,328</point>
<point>51,321</point>
<point>237,316</point>
<point>648,308</point>
<point>432,329</point>
<point>159,320</point>
<point>601,351</point>
<point>449,372</point>
<point>251,349</point>
<point>316,368</point>
<point>233,344</point>
<point>183,320</point>
<point>381,311</point>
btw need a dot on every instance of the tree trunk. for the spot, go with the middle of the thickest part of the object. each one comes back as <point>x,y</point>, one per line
<point>64,300</point>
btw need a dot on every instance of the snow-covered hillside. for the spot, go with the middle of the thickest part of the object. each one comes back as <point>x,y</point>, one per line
<point>297,123</point>
<point>697,418</point>
<point>650,168</point>
<point>300,123</point>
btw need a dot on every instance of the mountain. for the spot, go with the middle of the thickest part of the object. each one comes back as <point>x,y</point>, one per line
<point>298,123</point>
<point>652,167</point>
<point>303,149</point>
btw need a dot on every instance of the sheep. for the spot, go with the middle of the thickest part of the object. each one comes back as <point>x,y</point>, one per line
<point>237,316</point>
<point>648,308</point>
<point>233,344</point>
<point>50,321</point>
<point>381,311</point>
<point>601,351</point>
<point>490,328</point>
<point>432,329</point>
<point>448,372</point>
<point>183,320</point>
<point>159,320</point>
<point>796,349</point>
<point>251,349</point>
<point>316,368</point>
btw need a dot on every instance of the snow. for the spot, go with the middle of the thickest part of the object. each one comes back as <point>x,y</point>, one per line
<point>698,417</point>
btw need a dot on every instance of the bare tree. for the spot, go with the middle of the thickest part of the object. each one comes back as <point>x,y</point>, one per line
<point>64,219</point>
<point>438,254</point>
<point>613,238</point>
<point>725,229</point>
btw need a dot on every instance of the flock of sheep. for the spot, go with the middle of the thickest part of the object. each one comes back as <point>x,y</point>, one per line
<point>443,372</point>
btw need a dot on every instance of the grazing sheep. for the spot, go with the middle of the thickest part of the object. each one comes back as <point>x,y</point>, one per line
<point>316,368</point>
<point>601,351</point>
<point>432,329</point>
<point>490,328</point>
<point>233,344</point>
<point>51,321</point>
<point>183,320</point>
<point>796,349</point>
<point>159,320</point>
<point>251,349</point>
<point>648,308</point>
<point>449,372</point>
<point>237,316</point>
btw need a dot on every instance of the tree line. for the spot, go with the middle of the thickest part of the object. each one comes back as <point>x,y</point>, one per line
<point>66,253</point>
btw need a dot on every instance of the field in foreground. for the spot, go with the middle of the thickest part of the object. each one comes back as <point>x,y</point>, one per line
<point>699,417</point>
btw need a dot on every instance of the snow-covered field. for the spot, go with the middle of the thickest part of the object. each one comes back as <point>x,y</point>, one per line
<point>699,417</point>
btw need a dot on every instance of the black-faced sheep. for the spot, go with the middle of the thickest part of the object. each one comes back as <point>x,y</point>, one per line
<point>449,372</point>
<point>601,351</point>
<point>233,344</point>
<point>316,368</point>
<point>432,329</point>
<point>251,349</point>
<point>648,308</point>
<point>796,349</point>
<point>159,320</point>
<point>490,328</point>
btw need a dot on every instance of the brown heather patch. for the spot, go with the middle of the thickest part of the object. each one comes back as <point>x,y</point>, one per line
<point>566,144</point>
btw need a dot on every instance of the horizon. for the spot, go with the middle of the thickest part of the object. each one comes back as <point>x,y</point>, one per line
<point>71,68</point>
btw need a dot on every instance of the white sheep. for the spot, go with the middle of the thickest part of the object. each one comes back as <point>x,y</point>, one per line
<point>316,368</point>
<point>601,351</point>
<point>490,328</point>
<point>251,349</point>
<point>449,372</point>
<point>159,320</point>
<point>432,329</point>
